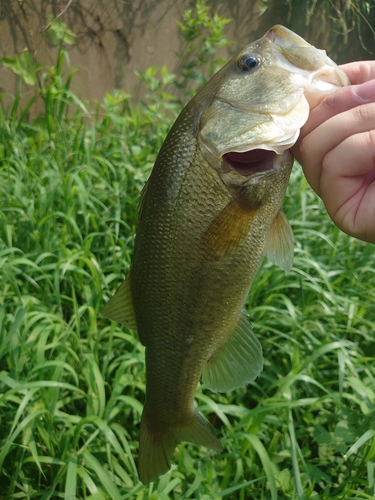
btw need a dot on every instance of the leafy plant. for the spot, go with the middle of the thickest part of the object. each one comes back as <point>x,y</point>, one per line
<point>203,33</point>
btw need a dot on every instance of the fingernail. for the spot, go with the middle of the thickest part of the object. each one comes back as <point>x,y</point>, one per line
<point>365,91</point>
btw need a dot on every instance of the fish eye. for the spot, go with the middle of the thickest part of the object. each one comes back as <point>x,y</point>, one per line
<point>247,62</point>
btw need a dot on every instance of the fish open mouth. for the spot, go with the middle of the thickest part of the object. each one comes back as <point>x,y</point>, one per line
<point>250,162</point>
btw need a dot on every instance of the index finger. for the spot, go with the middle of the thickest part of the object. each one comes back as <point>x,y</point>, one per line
<point>359,71</point>
<point>338,102</point>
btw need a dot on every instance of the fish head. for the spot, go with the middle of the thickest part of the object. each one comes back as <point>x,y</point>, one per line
<point>260,100</point>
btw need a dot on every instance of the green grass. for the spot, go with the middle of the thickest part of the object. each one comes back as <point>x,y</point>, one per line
<point>72,383</point>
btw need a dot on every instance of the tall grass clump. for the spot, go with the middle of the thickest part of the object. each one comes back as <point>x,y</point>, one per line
<point>72,383</point>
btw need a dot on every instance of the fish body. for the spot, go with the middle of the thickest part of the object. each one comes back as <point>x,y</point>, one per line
<point>209,212</point>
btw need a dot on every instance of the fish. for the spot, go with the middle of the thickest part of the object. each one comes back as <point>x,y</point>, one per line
<point>209,213</point>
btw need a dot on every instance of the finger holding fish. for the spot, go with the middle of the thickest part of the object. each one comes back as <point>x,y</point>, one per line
<point>336,149</point>
<point>338,116</point>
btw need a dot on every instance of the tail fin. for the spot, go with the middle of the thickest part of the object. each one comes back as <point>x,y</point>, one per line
<point>155,448</point>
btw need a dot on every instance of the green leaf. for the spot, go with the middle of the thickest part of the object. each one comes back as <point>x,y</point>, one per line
<point>60,33</point>
<point>266,461</point>
<point>104,476</point>
<point>23,66</point>
<point>71,479</point>
<point>360,442</point>
<point>12,63</point>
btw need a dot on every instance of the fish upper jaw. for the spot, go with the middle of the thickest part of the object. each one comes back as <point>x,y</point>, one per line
<point>213,153</point>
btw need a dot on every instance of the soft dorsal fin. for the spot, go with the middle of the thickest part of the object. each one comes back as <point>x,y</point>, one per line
<point>237,362</point>
<point>229,229</point>
<point>279,247</point>
<point>120,307</point>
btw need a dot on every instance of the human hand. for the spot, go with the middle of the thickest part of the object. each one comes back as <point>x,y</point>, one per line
<point>336,148</point>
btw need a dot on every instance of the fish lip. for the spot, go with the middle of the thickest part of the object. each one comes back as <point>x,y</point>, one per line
<point>249,162</point>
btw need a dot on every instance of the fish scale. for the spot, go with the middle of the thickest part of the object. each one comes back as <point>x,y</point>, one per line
<point>207,217</point>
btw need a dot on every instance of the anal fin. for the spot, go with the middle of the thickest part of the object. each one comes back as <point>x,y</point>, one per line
<point>120,307</point>
<point>237,362</point>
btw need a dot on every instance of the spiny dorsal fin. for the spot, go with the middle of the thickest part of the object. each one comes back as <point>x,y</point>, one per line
<point>120,307</point>
<point>237,362</point>
<point>279,247</point>
<point>229,229</point>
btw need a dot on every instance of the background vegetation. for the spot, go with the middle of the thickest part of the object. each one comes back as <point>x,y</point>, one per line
<point>332,21</point>
<point>72,383</point>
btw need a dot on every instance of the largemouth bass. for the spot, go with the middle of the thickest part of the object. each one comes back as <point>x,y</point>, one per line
<point>209,213</point>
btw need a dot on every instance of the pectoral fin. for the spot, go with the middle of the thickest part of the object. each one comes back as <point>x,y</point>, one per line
<point>279,247</point>
<point>120,307</point>
<point>228,230</point>
<point>237,362</point>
